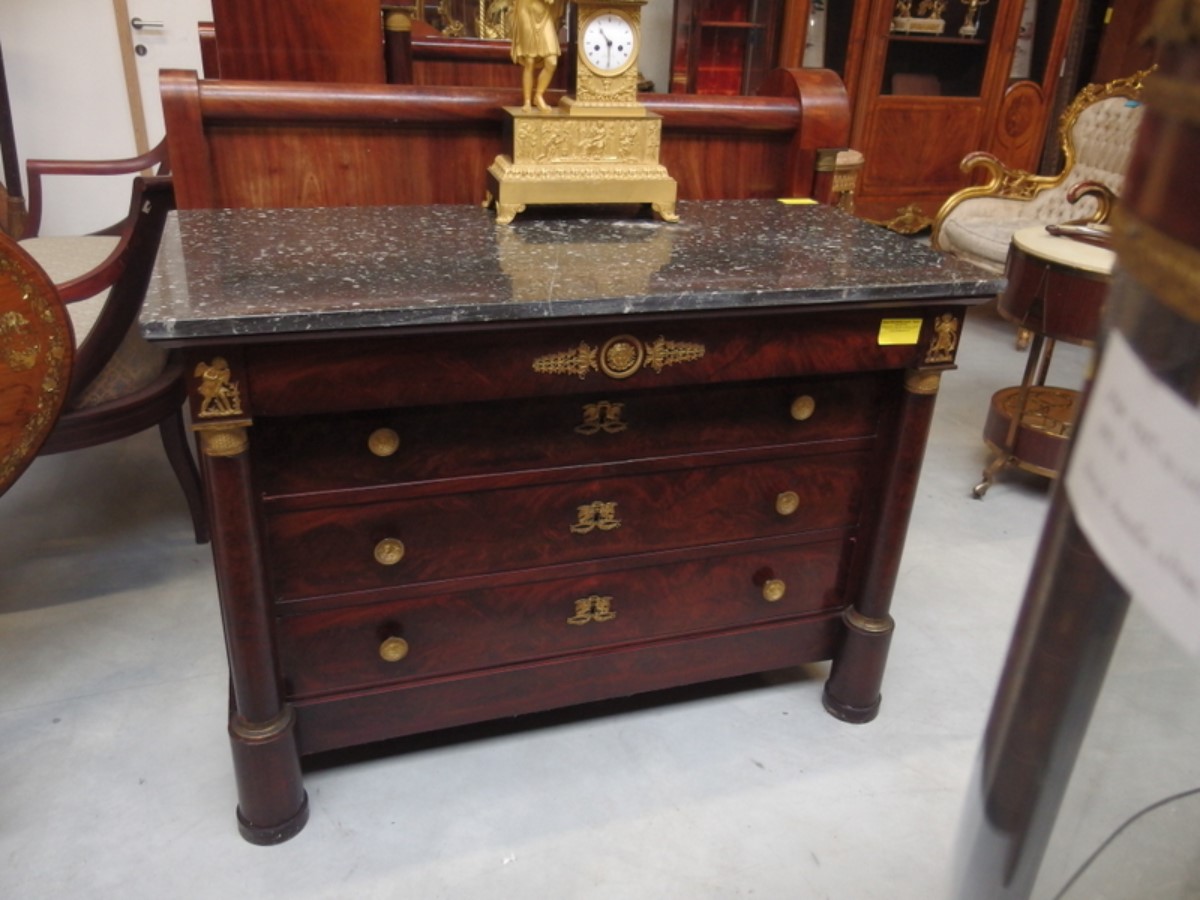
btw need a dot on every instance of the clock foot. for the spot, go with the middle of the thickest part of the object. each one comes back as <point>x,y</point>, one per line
<point>506,212</point>
<point>665,211</point>
<point>488,200</point>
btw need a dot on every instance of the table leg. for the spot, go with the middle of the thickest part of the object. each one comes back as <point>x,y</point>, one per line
<point>1036,366</point>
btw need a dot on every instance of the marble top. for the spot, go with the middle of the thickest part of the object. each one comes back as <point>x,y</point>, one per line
<point>1065,251</point>
<point>230,273</point>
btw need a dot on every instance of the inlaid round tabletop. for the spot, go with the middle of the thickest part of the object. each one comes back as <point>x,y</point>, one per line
<point>36,353</point>
<point>1064,251</point>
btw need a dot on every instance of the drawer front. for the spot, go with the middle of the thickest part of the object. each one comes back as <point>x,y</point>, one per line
<point>334,550</point>
<point>454,633</point>
<point>558,360</point>
<point>302,455</point>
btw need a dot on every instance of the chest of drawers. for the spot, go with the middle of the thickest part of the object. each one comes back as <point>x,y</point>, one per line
<point>428,514</point>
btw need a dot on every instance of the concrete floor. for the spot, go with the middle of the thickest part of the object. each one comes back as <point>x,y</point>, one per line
<point>115,775</point>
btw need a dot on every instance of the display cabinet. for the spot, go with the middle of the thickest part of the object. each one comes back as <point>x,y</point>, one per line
<point>933,80</point>
<point>728,46</point>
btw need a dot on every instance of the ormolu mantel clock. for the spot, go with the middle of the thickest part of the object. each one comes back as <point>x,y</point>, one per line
<point>600,146</point>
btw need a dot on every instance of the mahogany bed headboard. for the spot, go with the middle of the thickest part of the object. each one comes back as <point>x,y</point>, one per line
<point>274,144</point>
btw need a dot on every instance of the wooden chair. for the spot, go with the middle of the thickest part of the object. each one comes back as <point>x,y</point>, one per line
<point>120,384</point>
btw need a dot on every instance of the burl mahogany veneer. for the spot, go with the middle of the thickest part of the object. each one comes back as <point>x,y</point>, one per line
<point>459,471</point>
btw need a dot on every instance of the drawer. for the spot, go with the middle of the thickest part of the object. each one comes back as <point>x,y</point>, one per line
<point>461,632</point>
<point>324,453</point>
<point>334,550</point>
<point>559,359</point>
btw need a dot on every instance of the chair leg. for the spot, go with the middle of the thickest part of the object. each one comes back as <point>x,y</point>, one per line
<point>174,440</point>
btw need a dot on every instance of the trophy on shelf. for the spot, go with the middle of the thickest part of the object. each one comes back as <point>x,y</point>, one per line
<point>928,19</point>
<point>970,25</point>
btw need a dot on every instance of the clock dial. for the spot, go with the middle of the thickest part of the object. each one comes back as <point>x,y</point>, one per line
<point>609,43</point>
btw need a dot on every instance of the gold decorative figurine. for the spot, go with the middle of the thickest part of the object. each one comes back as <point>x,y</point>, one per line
<point>970,25</point>
<point>535,49</point>
<point>598,147</point>
<point>928,19</point>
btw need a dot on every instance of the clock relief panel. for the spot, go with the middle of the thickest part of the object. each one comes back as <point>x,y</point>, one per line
<point>598,90</point>
<point>578,139</point>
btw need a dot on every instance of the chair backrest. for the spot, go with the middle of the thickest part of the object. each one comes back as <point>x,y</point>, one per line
<point>132,262</point>
<point>1097,132</point>
<point>36,356</point>
<point>40,169</point>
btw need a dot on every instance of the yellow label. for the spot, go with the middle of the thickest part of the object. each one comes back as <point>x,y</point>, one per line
<point>899,331</point>
<point>798,201</point>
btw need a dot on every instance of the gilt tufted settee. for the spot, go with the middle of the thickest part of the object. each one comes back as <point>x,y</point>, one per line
<point>1096,133</point>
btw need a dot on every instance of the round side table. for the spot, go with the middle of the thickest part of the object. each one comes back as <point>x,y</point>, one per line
<point>1056,289</point>
<point>37,351</point>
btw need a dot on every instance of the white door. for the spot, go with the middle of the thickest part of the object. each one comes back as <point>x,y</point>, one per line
<point>162,34</point>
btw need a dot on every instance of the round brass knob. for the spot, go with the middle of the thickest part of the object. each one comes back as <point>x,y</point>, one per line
<point>787,503</point>
<point>383,442</point>
<point>803,407</point>
<point>389,551</point>
<point>393,649</point>
<point>773,590</point>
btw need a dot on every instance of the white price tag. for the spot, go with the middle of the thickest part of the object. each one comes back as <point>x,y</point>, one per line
<point>1134,484</point>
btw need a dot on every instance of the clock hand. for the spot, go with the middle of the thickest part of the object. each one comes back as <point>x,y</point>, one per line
<point>608,43</point>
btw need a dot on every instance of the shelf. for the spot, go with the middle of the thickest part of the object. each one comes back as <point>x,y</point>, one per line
<point>936,39</point>
<point>733,25</point>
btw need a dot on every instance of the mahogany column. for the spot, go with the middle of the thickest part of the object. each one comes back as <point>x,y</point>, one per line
<point>852,691</point>
<point>272,802</point>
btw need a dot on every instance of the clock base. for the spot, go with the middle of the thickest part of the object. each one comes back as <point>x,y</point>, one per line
<point>631,110</point>
<point>581,156</point>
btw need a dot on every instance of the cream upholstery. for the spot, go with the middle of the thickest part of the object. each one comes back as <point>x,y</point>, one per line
<point>65,258</point>
<point>137,362</point>
<point>1097,132</point>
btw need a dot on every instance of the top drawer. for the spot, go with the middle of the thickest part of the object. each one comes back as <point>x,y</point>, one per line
<point>295,455</point>
<point>567,359</point>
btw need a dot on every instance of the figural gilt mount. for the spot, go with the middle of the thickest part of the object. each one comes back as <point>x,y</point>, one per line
<point>600,146</point>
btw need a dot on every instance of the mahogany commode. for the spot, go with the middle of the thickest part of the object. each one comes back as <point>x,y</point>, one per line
<point>459,471</point>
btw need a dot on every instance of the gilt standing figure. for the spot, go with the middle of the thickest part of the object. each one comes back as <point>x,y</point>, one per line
<point>535,46</point>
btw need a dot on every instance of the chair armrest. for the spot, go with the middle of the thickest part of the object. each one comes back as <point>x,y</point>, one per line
<point>1103,196</point>
<point>128,269</point>
<point>1002,182</point>
<point>37,169</point>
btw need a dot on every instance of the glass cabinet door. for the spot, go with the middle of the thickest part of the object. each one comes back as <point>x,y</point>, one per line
<point>724,46</point>
<point>939,48</point>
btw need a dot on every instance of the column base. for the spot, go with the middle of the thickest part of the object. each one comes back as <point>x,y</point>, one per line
<point>855,715</point>
<point>272,802</point>
<point>266,835</point>
<point>852,691</point>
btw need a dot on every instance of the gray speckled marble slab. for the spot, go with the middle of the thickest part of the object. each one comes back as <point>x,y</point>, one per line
<point>228,273</point>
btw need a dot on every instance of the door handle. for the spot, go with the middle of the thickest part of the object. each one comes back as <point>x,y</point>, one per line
<point>139,24</point>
